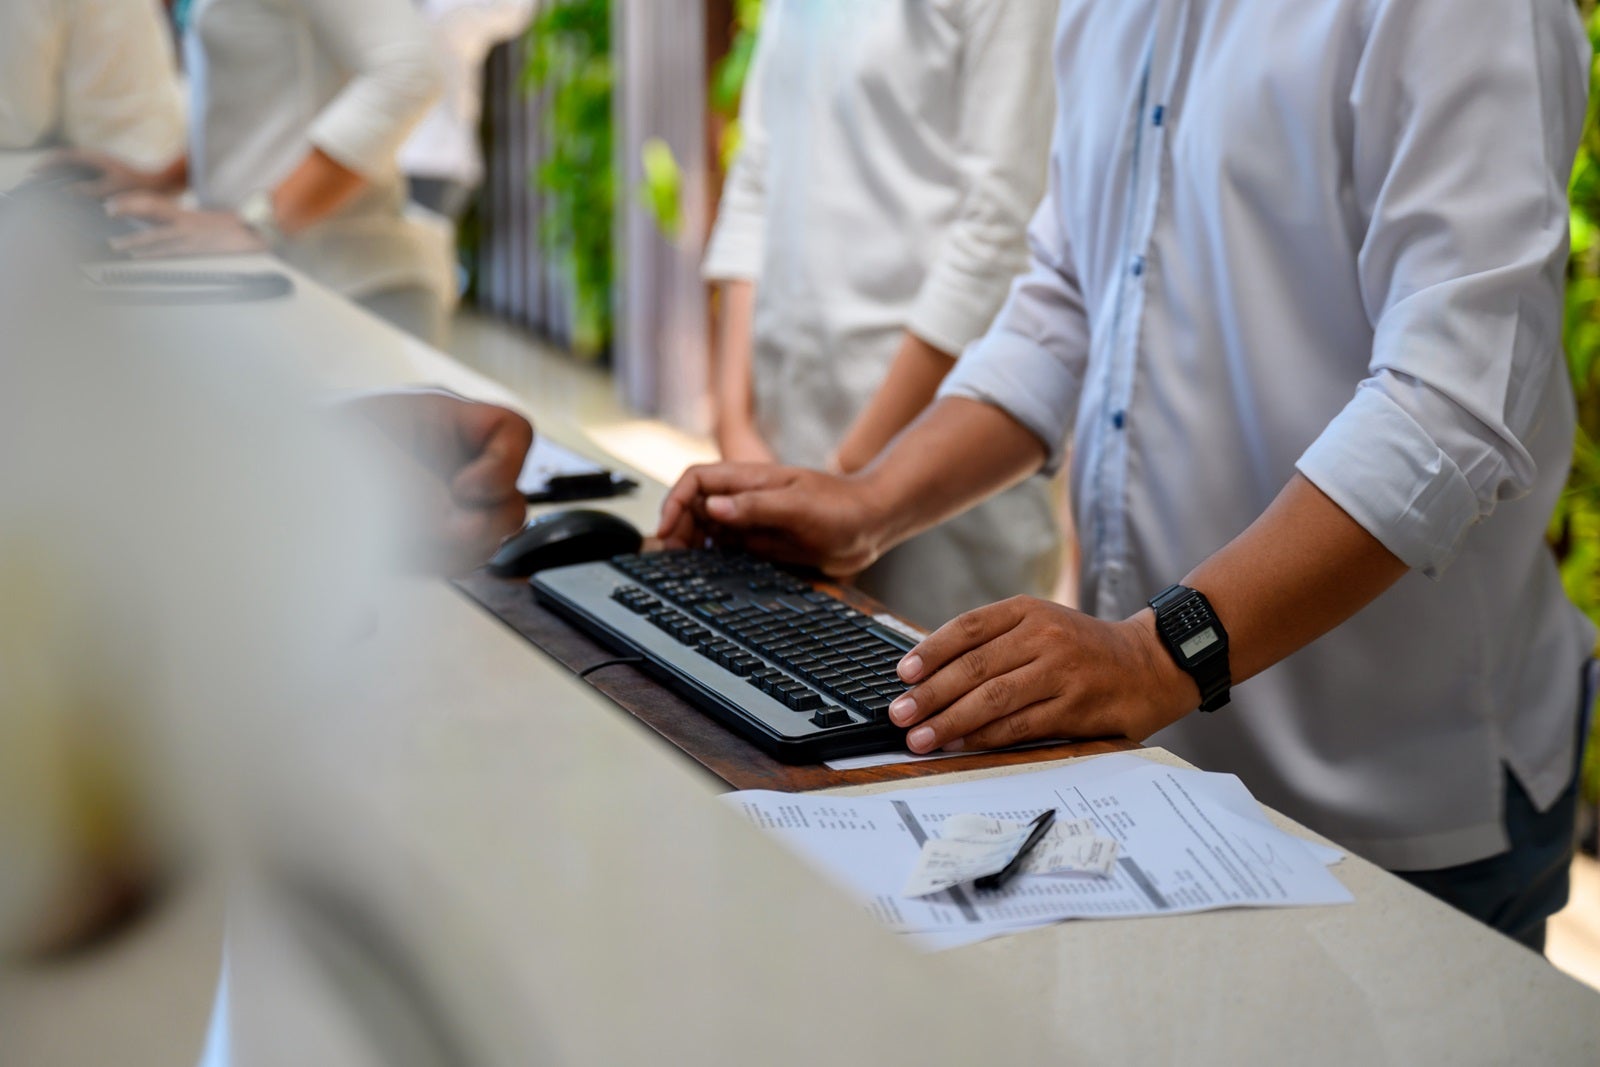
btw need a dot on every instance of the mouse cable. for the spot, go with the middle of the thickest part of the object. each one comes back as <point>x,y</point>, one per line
<point>623,661</point>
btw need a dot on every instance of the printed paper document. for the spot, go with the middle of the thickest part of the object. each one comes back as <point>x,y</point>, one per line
<point>1187,841</point>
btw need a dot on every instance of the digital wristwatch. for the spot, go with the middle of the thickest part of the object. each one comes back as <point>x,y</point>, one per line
<point>1195,637</point>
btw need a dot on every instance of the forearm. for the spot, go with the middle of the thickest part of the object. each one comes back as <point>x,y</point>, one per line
<point>733,385</point>
<point>314,190</point>
<point>958,453</point>
<point>1298,571</point>
<point>910,386</point>
<point>1302,568</point>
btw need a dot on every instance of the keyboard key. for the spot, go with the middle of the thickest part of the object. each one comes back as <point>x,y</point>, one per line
<point>807,700</point>
<point>897,640</point>
<point>829,717</point>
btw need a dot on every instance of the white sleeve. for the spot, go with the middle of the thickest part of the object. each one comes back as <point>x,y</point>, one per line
<point>1031,363</point>
<point>1464,133</point>
<point>471,28</point>
<point>1006,102</point>
<point>119,82</point>
<point>738,239</point>
<point>394,77</point>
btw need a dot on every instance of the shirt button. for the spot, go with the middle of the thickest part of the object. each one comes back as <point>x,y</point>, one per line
<point>1119,419</point>
<point>1138,266</point>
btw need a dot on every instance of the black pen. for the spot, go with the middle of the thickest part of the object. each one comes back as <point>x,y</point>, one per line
<point>1041,826</point>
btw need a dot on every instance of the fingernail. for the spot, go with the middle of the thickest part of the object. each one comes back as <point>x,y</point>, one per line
<point>911,668</point>
<point>957,745</point>
<point>903,709</point>
<point>720,506</point>
<point>920,739</point>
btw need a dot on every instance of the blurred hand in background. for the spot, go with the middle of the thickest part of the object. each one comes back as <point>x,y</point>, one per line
<point>462,460</point>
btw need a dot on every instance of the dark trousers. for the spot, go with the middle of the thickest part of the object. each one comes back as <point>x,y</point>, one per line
<point>1517,891</point>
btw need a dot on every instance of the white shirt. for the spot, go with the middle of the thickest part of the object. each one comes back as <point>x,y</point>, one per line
<point>892,152</point>
<point>95,74</point>
<point>271,79</point>
<point>445,144</point>
<point>891,155</point>
<point>1326,236</point>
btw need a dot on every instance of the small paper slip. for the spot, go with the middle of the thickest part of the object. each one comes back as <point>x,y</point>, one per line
<point>971,846</point>
<point>1072,847</point>
<point>886,759</point>
<point>547,460</point>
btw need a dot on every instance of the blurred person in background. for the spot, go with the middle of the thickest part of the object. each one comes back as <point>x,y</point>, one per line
<point>443,159</point>
<point>298,109</point>
<point>159,701</point>
<point>891,154</point>
<point>91,74</point>
<point>437,467</point>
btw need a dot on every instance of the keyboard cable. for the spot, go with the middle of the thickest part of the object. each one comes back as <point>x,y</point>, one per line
<point>603,664</point>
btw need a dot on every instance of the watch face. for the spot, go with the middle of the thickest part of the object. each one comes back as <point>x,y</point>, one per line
<point>1197,643</point>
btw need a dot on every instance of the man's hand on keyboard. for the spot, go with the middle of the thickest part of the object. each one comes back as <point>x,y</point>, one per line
<point>1028,669</point>
<point>788,514</point>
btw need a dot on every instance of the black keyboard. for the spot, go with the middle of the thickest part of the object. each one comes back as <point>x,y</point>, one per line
<point>800,673</point>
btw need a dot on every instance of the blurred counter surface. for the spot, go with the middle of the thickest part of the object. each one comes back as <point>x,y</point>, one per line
<point>543,880</point>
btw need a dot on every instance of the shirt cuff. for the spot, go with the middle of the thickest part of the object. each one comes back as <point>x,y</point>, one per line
<point>1021,378</point>
<point>358,138</point>
<point>364,126</point>
<point>954,308</point>
<point>736,247</point>
<point>1378,464</point>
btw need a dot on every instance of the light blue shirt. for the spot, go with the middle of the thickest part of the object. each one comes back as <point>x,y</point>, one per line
<point>1327,236</point>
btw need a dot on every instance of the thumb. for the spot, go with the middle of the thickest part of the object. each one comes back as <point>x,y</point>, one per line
<point>491,476</point>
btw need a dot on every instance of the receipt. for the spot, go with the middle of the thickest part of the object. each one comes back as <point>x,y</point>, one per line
<point>1071,847</point>
<point>971,846</point>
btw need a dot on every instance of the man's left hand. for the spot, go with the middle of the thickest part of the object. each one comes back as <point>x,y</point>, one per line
<point>1028,669</point>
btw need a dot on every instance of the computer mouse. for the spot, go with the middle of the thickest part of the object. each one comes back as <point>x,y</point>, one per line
<point>563,538</point>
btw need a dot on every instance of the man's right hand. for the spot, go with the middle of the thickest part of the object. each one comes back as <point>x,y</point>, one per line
<point>956,454</point>
<point>788,514</point>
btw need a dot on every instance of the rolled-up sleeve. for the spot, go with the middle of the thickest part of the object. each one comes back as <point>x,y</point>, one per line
<point>394,78</point>
<point>1031,362</point>
<point>1006,103</point>
<point>1465,130</point>
<point>738,240</point>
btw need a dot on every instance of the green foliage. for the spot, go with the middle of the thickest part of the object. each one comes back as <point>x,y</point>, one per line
<point>728,77</point>
<point>569,62</point>
<point>661,193</point>
<point>1575,527</point>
